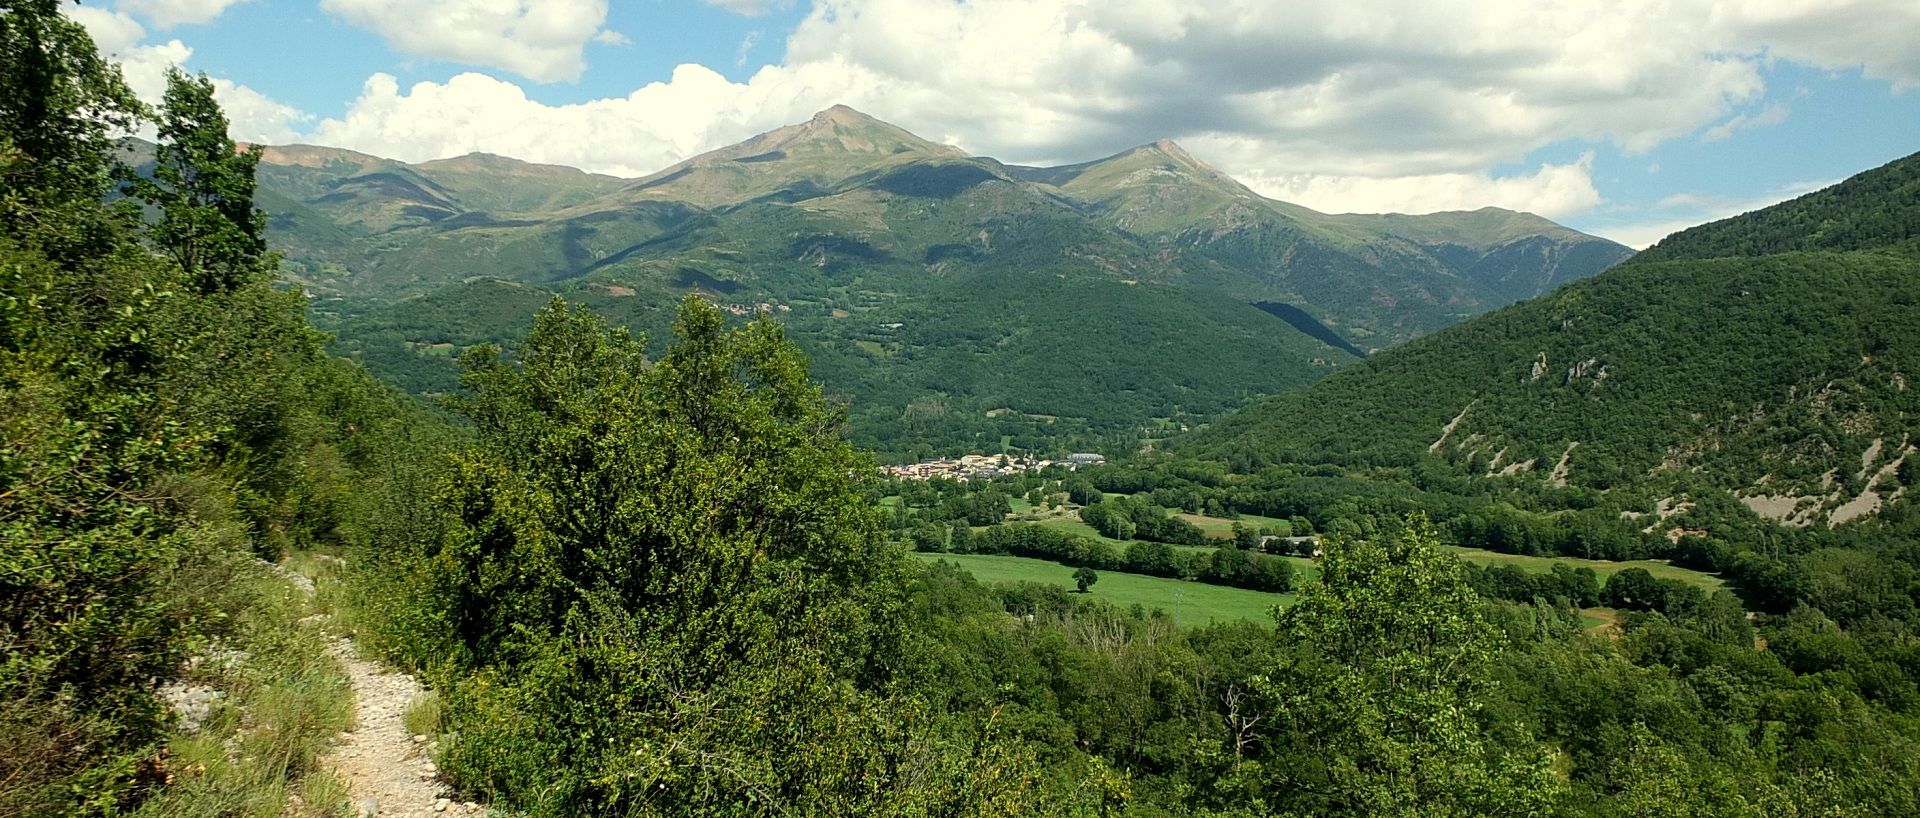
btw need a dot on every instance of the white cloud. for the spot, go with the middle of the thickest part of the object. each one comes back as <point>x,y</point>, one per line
<point>119,38</point>
<point>543,41</point>
<point>1773,114</point>
<point>256,117</point>
<point>634,135</point>
<point>113,33</point>
<point>1876,36</point>
<point>253,116</point>
<point>1554,191</point>
<point>170,13</point>
<point>746,47</point>
<point>1367,104</point>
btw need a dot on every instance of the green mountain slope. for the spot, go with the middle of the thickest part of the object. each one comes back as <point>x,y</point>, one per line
<point>1379,279</point>
<point>793,162</point>
<point>949,299</point>
<point>932,344</point>
<point>1781,378</point>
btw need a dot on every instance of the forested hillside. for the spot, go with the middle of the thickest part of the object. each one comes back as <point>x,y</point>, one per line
<point>1780,378</point>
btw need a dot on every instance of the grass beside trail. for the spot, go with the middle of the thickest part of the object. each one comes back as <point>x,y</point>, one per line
<point>282,699</point>
<point>1190,603</point>
<point>1605,568</point>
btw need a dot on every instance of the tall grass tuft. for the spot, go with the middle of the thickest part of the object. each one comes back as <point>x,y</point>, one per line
<point>285,697</point>
<point>424,715</point>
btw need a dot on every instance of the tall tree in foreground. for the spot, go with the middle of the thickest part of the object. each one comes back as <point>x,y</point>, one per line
<point>61,106</point>
<point>203,187</point>
<point>1374,704</point>
<point>147,429</point>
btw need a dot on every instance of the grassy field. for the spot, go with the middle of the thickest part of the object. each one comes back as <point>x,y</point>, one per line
<point>1222,528</point>
<point>1190,603</point>
<point>1218,528</point>
<point>1605,568</point>
<point>1073,525</point>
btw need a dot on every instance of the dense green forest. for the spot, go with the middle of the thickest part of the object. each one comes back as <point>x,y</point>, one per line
<point>989,362</point>
<point>654,578</point>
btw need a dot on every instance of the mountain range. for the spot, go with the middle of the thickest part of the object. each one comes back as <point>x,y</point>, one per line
<point>1770,360</point>
<point>947,299</point>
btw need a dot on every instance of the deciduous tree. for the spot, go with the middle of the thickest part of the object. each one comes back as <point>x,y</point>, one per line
<point>1373,707</point>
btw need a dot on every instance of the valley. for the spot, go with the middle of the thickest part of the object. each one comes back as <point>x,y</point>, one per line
<point>840,471</point>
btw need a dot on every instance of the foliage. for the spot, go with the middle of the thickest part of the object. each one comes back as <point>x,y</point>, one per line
<point>203,188</point>
<point>657,587</point>
<point>1372,704</point>
<point>1126,518</point>
<point>151,434</point>
<point>61,105</point>
<point>1084,578</point>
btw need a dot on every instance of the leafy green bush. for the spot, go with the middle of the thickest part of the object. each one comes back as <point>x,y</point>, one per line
<point>655,586</point>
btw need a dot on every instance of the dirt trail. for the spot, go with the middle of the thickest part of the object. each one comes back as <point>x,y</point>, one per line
<point>387,772</point>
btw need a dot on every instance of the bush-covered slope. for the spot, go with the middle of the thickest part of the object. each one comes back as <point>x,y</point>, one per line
<point>1784,377</point>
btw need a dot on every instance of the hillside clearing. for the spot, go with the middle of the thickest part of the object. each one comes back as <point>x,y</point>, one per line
<point>1605,568</point>
<point>1190,603</point>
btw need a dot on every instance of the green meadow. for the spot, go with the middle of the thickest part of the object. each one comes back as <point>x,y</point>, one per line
<point>1190,603</point>
<point>1605,568</point>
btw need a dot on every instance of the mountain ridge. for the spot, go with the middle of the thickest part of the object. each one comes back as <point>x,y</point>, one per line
<point>850,223</point>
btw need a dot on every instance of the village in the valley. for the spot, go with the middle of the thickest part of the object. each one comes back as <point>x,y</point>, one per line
<point>986,466</point>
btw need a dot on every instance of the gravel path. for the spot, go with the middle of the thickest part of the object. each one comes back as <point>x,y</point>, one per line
<point>387,771</point>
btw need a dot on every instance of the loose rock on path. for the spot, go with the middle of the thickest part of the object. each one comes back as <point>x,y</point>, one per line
<point>387,771</point>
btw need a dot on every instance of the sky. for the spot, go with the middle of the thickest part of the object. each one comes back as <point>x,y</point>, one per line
<point>1624,118</point>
